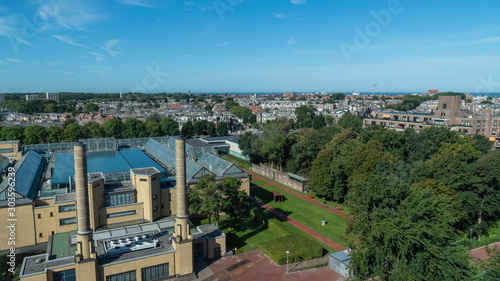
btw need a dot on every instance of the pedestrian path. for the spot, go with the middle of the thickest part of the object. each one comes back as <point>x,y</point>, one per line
<point>480,253</point>
<point>326,207</point>
<point>302,227</point>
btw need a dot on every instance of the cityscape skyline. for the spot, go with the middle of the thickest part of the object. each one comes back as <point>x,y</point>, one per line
<point>248,46</point>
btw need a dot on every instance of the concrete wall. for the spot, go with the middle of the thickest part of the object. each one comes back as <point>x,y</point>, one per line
<point>278,176</point>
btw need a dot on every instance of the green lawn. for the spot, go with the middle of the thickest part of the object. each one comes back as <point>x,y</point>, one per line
<point>306,213</point>
<point>236,161</point>
<point>247,234</point>
<point>259,182</point>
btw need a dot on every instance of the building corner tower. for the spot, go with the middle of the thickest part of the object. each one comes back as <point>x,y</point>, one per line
<point>183,240</point>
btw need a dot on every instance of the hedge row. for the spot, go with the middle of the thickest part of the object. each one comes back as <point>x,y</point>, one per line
<point>280,227</point>
<point>300,248</point>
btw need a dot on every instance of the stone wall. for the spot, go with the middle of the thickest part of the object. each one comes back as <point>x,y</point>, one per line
<point>278,176</point>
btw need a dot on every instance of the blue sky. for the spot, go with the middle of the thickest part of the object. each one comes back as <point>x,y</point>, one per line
<point>249,45</point>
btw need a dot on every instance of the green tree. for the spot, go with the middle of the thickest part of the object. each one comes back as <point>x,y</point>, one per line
<point>155,117</point>
<point>398,232</point>
<point>211,130</point>
<point>170,127</point>
<point>15,132</point>
<point>95,131</point>
<point>133,128</point>
<point>487,207</point>
<point>304,113</point>
<point>200,127</point>
<point>90,107</point>
<point>222,129</point>
<point>113,128</point>
<point>333,166</point>
<point>34,134</point>
<point>252,119</point>
<point>235,201</point>
<point>205,198</point>
<point>188,129</point>
<point>245,143</point>
<point>74,132</point>
<point>491,267</point>
<point>350,121</point>
<point>318,122</point>
<point>54,134</point>
<point>153,129</point>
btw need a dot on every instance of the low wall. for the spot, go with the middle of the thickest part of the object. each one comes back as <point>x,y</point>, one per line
<point>278,176</point>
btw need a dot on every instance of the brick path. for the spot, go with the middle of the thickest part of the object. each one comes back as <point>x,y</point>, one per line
<point>328,208</point>
<point>480,253</point>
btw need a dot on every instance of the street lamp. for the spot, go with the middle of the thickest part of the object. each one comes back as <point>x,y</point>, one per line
<point>248,162</point>
<point>287,252</point>
<point>471,238</point>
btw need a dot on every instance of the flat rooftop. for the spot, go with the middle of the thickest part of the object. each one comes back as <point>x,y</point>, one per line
<point>102,162</point>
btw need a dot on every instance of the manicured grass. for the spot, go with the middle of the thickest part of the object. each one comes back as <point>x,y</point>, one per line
<point>259,182</point>
<point>306,213</point>
<point>236,161</point>
<point>247,234</point>
<point>332,204</point>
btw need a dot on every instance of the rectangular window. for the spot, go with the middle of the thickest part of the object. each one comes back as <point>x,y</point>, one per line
<point>415,119</point>
<point>121,214</point>
<point>155,272</point>
<point>466,132</point>
<point>67,221</point>
<point>484,122</point>
<point>40,235</point>
<point>493,131</point>
<point>118,199</point>
<point>494,122</point>
<point>51,214</point>
<point>412,127</point>
<point>143,179</point>
<point>478,123</point>
<point>439,123</point>
<point>125,276</point>
<point>39,216</point>
<point>67,208</point>
<point>477,132</point>
<point>467,123</point>
<point>67,275</point>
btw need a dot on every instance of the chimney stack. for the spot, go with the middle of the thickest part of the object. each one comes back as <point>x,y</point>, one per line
<point>181,219</point>
<point>82,202</point>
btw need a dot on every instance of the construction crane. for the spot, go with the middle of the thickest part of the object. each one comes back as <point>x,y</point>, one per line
<point>373,87</point>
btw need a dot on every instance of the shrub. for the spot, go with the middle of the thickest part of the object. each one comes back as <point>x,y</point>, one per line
<point>300,248</point>
<point>281,228</point>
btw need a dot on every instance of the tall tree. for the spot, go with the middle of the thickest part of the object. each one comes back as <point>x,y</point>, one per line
<point>211,130</point>
<point>34,134</point>
<point>398,232</point>
<point>188,129</point>
<point>350,121</point>
<point>205,198</point>
<point>54,134</point>
<point>235,201</point>
<point>170,127</point>
<point>200,127</point>
<point>113,128</point>
<point>222,129</point>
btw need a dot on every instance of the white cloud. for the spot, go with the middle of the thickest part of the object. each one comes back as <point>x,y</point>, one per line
<point>486,40</point>
<point>291,41</point>
<point>68,40</point>
<point>96,54</point>
<point>281,15</point>
<point>13,60</point>
<point>298,2</point>
<point>99,70</point>
<point>54,63</point>
<point>108,45</point>
<point>222,44</point>
<point>140,3</point>
<point>74,14</point>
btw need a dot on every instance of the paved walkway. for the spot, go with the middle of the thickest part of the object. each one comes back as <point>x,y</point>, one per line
<point>255,265</point>
<point>302,227</point>
<point>326,207</point>
<point>480,253</point>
